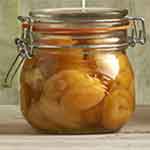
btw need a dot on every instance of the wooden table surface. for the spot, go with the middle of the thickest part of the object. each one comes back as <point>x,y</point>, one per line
<point>16,134</point>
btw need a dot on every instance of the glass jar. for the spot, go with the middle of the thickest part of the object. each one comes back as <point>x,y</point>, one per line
<point>76,76</point>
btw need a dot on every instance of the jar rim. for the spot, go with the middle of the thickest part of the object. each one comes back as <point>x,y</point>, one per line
<point>77,14</point>
<point>70,20</point>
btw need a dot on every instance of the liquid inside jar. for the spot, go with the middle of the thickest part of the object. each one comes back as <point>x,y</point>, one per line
<point>77,90</point>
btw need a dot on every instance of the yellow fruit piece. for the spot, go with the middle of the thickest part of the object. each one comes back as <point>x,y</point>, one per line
<point>68,79</point>
<point>125,75</point>
<point>66,94</point>
<point>72,59</point>
<point>33,77</point>
<point>50,100</point>
<point>83,97</point>
<point>125,78</point>
<point>51,62</point>
<point>25,96</point>
<point>54,111</point>
<point>116,109</point>
<point>82,91</point>
<point>47,62</point>
<point>132,93</point>
<point>37,119</point>
<point>92,116</point>
<point>35,80</point>
<point>31,110</point>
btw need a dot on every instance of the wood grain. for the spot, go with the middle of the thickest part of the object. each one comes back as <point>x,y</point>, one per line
<point>92,142</point>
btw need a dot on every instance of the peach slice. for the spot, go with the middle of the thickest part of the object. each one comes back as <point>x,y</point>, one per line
<point>116,109</point>
<point>92,116</point>
<point>83,97</point>
<point>125,75</point>
<point>68,92</point>
<point>37,119</point>
<point>53,111</point>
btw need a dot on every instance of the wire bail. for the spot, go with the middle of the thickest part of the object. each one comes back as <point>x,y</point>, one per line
<point>24,47</point>
<point>138,31</point>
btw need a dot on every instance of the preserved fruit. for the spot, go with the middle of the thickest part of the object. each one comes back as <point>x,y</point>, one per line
<point>61,92</point>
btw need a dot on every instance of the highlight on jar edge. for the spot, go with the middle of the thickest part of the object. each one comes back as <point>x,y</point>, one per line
<point>76,76</point>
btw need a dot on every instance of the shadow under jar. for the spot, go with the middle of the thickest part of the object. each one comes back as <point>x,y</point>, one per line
<point>76,76</point>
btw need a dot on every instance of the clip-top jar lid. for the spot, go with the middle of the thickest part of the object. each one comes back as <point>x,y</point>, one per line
<point>101,19</point>
<point>77,14</point>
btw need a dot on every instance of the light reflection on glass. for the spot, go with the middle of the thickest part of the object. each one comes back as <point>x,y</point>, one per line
<point>107,64</point>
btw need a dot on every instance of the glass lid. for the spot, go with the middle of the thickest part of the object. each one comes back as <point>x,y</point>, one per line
<point>74,14</point>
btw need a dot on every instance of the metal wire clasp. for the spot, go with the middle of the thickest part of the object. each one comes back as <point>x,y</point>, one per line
<point>138,31</point>
<point>24,47</point>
